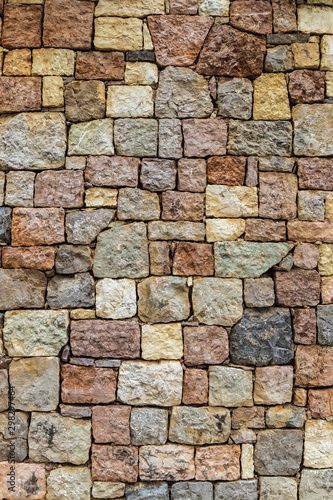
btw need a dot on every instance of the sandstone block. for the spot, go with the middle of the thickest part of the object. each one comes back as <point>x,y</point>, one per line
<point>259,292</point>
<point>158,174</point>
<point>4,389</point>
<point>274,488</point>
<point>136,137</point>
<point>53,92</point>
<point>224,229</point>
<point>326,48</point>
<point>313,365</point>
<point>115,299</point>
<point>315,173</point>
<point>318,118</point>
<point>100,66</point>
<point>29,474</point>
<point>27,91</point>
<point>159,258</point>
<point>115,463</point>
<point>39,258</point>
<point>192,490</point>
<point>84,100</point>
<point>191,175</point>
<point>278,452</point>
<point>141,73</point>
<point>53,62</point>
<point>216,463</point>
<point>284,16</point>
<point>285,416</point>
<point>297,288</point>
<point>195,387</point>
<point>59,189</point>
<point>115,171</point>
<point>71,291</point>
<point>230,386</point>
<point>265,230</point>
<point>149,426</point>
<point>126,8</point>
<point>253,417</point>
<point>325,264</point>
<point>315,19</point>
<point>273,385</point>
<point>306,86</point>
<point>81,384</point>
<point>237,490</point>
<point>107,489</point>
<point>22,288</point>
<point>306,256</point>
<point>166,463</point>
<point>32,226</point>
<point>180,206</point>
<point>316,484</point>
<point>310,231</point>
<point>17,433</point>
<point>253,16</point>
<point>22,26</point>
<point>231,201</point>
<point>326,289</point>
<point>277,195</point>
<point>83,226</point>
<point>321,403</point>
<point>91,138</point>
<point>17,63</point>
<point>62,483</point>
<point>304,325</point>
<point>205,345</point>
<point>213,7</point>
<point>162,342</point>
<point>306,55</point>
<point>170,139</point>
<point>188,231</point>
<point>318,432</point>
<point>183,6</point>
<point>270,98</point>
<point>73,259</point>
<point>204,137</point>
<point>110,424</point>
<point>226,170</point>
<point>193,259</point>
<point>234,98</point>
<point>113,33</point>
<point>130,101</point>
<point>138,204</point>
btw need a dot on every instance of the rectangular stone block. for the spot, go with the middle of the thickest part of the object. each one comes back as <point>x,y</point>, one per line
<point>111,424</point>
<point>100,66</point>
<point>82,384</point>
<point>114,33</point>
<point>230,386</point>
<point>29,474</point>
<point>115,171</point>
<point>59,189</point>
<point>20,93</point>
<point>166,463</point>
<point>149,426</point>
<point>136,137</point>
<point>188,231</point>
<point>162,341</point>
<point>218,463</point>
<point>126,8</point>
<point>22,288</point>
<point>132,101</point>
<point>39,258</point>
<point>265,230</point>
<point>318,432</point>
<point>114,463</point>
<point>22,26</point>
<point>38,226</point>
<point>315,19</point>
<point>316,484</point>
<point>314,366</point>
<point>205,345</point>
<point>315,173</point>
<point>53,62</point>
<point>313,128</point>
<point>310,231</point>
<point>231,201</point>
<point>298,287</point>
<point>195,387</point>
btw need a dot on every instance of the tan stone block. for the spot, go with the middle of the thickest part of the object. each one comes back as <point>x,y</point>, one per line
<point>218,463</point>
<point>321,403</point>
<point>231,201</point>
<point>270,98</point>
<point>130,101</point>
<point>273,385</point>
<point>52,62</point>
<point>329,206</point>
<point>53,92</point>
<point>101,197</point>
<point>17,63</point>
<point>107,489</point>
<point>195,387</point>
<point>247,465</point>
<point>83,314</point>
<point>325,265</point>
<point>113,33</point>
<point>318,444</point>
<point>329,84</point>
<point>129,8</point>
<point>167,463</point>
<point>306,55</point>
<point>229,386</point>
<point>85,384</point>
<point>327,290</point>
<point>162,341</point>
<point>224,229</point>
<point>147,39</point>
<point>326,48</point>
<point>315,19</point>
<point>141,73</point>
<point>26,475</point>
<point>314,366</point>
<point>300,397</point>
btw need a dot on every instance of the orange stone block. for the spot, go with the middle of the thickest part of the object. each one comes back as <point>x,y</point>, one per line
<point>82,384</point>
<point>218,463</point>
<point>38,226</point>
<point>41,258</point>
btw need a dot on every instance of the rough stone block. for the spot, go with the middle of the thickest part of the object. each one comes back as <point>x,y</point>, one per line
<point>188,231</point>
<point>259,292</point>
<point>39,258</point>
<point>159,258</point>
<point>17,63</point>
<point>91,138</point>
<point>253,16</point>
<point>5,224</point>
<point>313,127</point>
<point>315,173</point>
<point>83,226</point>
<point>71,291</point>
<point>218,463</point>
<point>274,488</point>
<point>277,195</point>
<point>279,59</point>
<point>237,490</point>
<point>231,201</point>
<point>100,66</point>
<point>29,474</point>
<point>166,463</point>
<point>230,386</point>
<point>316,484</point>
<point>73,259</point>
<point>170,139</point>
<point>253,417</point>
<point>191,175</point>
<point>140,73</point>
<point>234,98</point>
<point>138,204</point>
<point>317,433</point>
<point>304,325</point>
<point>286,416</point>
<point>111,424</point>
<point>162,341</point>
<point>27,92</point>
<point>136,137</point>
<point>278,452</point>
<point>226,170</point>
<point>130,101</point>
<point>192,491</point>
<point>158,174</point>
<point>270,97</point>
<point>314,366</point>
<point>22,26</point>
<point>195,387</point>
<point>224,229</point>
<point>148,491</point>
<point>205,345</point>
<point>82,384</point>
<point>306,86</point>
<point>22,288</point>
<point>321,403</point>
<point>84,100</point>
<point>63,482</point>
<point>273,385</point>
<point>59,189</point>
<point>114,463</point>
<point>53,92</point>
<point>297,288</point>
<point>325,324</point>
<point>193,259</point>
<point>149,426</point>
<point>265,230</point>
<point>53,62</point>
<point>114,171</point>
<point>115,299</point>
<point>204,137</point>
<point>315,19</point>
<point>113,33</point>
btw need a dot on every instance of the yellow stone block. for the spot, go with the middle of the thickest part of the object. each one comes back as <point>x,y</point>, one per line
<point>162,341</point>
<point>82,314</point>
<point>326,48</point>
<point>101,197</point>
<point>306,55</point>
<point>53,92</point>
<point>115,33</point>
<point>224,229</point>
<point>52,62</point>
<point>329,89</point>
<point>141,73</point>
<point>325,264</point>
<point>270,98</point>
<point>17,63</point>
<point>315,19</point>
<point>129,8</point>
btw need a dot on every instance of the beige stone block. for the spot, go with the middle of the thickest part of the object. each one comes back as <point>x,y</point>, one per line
<point>162,341</point>
<point>247,465</point>
<point>306,55</point>
<point>17,63</point>
<point>273,385</point>
<point>214,8</point>
<point>65,483</point>
<point>329,206</point>
<point>325,264</point>
<point>75,162</point>
<point>52,62</point>
<point>147,39</point>
<point>270,98</point>
<point>313,19</point>
<point>114,33</point>
<point>129,8</point>
<point>329,86</point>
<point>83,314</point>
<point>224,229</point>
<point>116,299</point>
<point>53,92</point>
<point>130,102</point>
<point>230,386</point>
<point>166,463</point>
<point>108,490</point>
<point>326,48</point>
<point>101,197</point>
<point>318,444</point>
<point>231,201</point>
<point>141,73</point>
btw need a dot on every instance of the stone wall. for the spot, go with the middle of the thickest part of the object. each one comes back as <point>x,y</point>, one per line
<point>166,232</point>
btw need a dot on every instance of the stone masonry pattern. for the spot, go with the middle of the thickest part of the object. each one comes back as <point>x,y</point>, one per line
<point>166,249</point>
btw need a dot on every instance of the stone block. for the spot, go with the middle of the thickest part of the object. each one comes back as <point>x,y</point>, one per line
<point>316,484</point>
<point>84,100</point>
<point>5,224</point>
<point>101,197</point>
<point>73,259</point>
<point>284,16</point>
<point>158,175</point>
<point>326,48</point>
<point>326,289</point>
<point>136,137</point>
<point>218,463</point>
<point>265,230</point>
<point>140,73</point>
<point>276,488</point>
<point>148,491</point>
<point>315,173</point>
<point>306,55</point>
<point>126,8</point>
<point>205,345</point>
<point>27,92</point>
<point>195,387</point>
<point>234,98</point>
<point>64,482</point>
<point>53,92</point>
<point>297,288</point>
<point>204,137</point>
<point>100,66</point>
<point>315,19</point>
<point>277,195</point>
<point>39,258</point>
<point>183,6</point>
<point>306,256</point>
<point>159,258</point>
<point>130,101</point>
<point>83,226</point>
<point>278,452</point>
<point>22,26</point>
<point>114,463</point>
<point>226,170</point>
<point>306,86</point>
<point>313,366</point>
<point>318,433</point>
<point>251,16</point>
<point>318,118</point>
<point>321,403</point>
<point>325,324</point>
<point>252,417</point>
<point>91,138</point>
<point>191,175</point>
<point>325,264</point>
<point>85,384</point>
<point>162,341</point>
<point>224,229</point>
<point>193,259</point>
<point>111,424</point>
<point>273,385</point>
<point>270,97</point>
<point>304,325</point>
<point>59,189</point>
<point>4,389</point>
<point>259,292</point>
<point>188,231</point>
<point>114,171</point>
<point>17,63</point>
<point>182,206</point>
<point>231,201</point>
<point>114,33</point>
<point>138,204</point>
<point>37,226</point>
<point>22,288</point>
<point>107,489</point>
<point>29,474</point>
<point>149,426</point>
<point>71,291</point>
<point>170,139</point>
<point>166,463</point>
<point>285,416</point>
<point>310,231</point>
<point>279,59</point>
<point>53,62</point>
<point>115,299</point>
<point>192,491</point>
<point>230,386</point>
<point>237,490</point>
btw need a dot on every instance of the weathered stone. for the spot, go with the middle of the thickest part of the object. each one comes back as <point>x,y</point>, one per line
<point>192,491</point>
<point>247,259</point>
<point>321,403</point>
<point>193,259</point>
<point>32,483</point>
<point>166,463</point>
<point>32,226</point>
<point>226,170</point>
<point>14,431</point>
<point>32,141</point>
<point>195,387</point>
<point>163,299</point>
<point>326,48</point>
<point>304,325</point>
<point>22,289</point>
<point>122,252</point>
<point>276,164</point>
<point>71,291</point>
<point>278,452</point>
<point>141,73</point>
<point>297,288</point>
<point>5,224</point>
<point>191,175</point>
<point>326,289</point>
<point>204,137</point>
<point>17,63</point>
<point>81,384</point>
<point>247,466</point>
<point>82,227</point>
<point>22,26</point>
<point>182,93</point>
<point>53,92</point>
<point>230,386</point>
<point>159,258</point>
<point>306,256</point>
<point>138,204</point>
<point>115,299</point>
<point>236,490</point>
<point>259,292</point>
<point>4,389</point>
<point>284,16</point>
<point>115,463</point>
<point>205,345</point>
<point>316,484</point>
<point>310,231</point>
<point>170,138</point>
<point>158,174</point>
<point>126,8</point>
<point>136,137</point>
<point>65,482</point>
<point>313,127</point>
<point>318,20</point>
<point>276,488</point>
<point>315,173</point>
<point>183,6</point>
<point>268,338</point>
<point>279,59</point>
<point>148,491</point>
<point>130,101</point>
<point>84,100</point>
<point>180,206</point>
<point>260,138</point>
<point>75,411</point>
<point>108,489</point>
<point>314,366</point>
<point>162,342</point>
<point>113,33</point>
<point>115,171</point>
<point>306,86</point>
<point>35,333</point>
<point>36,382</point>
<point>214,7</point>
<point>306,55</point>
<point>153,383</point>
<point>100,66</point>
<point>253,417</point>
<point>101,197</point>
<point>216,463</point>
<point>53,438</point>
<point>325,324</point>
<point>277,195</point>
<point>2,187</point>
<point>188,231</point>
<point>285,416</point>
<point>54,62</point>
<point>110,424</point>
<point>273,385</point>
<point>243,436</point>
<point>225,53</point>
<point>73,259</point>
<point>264,230</point>
<point>233,201</point>
<point>91,138</point>
<point>270,98</point>
<point>318,432</point>
<point>149,426</point>
<point>59,189</point>
<point>224,229</point>
<point>251,15</point>
<point>217,301</point>
<point>76,21</point>
<point>97,338</point>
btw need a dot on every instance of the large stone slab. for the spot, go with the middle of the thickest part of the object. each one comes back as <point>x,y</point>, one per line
<point>313,129</point>
<point>32,141</point>
<point>22,288</point>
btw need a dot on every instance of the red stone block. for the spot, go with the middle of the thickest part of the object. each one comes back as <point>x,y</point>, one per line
<point>40,258</point>
<point>64,188</point>
<point>204,137</point>
<point>192,175</point>
<point>205,345</point>
<point>251,15</point>
<point>38,226</point>
<point>218,463</point>
<point>306,86</point>
<point>20,93</point>
<point>315,173</point>
<point>81,384</point>
<point>310,231</point>
<point>253,418</point>
<point>193,259</point>
<point>22,26</point>
<point>314,366</point>
<point>68,24</point>
<point>306,256</point>
<point>304,325</point>
<point>327,289</point>
<point>114,463</point>
<point>182,206</point>
<point>321,403</point>
<point>297,288</point>
<point>277,195</point>
<point>228,170</point>
<point>183,6</point>
<point>114,171</point>
<point>265,230</point>
<point>284,16</point>
<point>111,424</point>
<point>98,338</point>
<point>195,387</point>
<point>100,66</point>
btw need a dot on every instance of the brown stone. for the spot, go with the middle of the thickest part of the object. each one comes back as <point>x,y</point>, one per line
<point>182,206</point>
<point>59,189</point>
<point>314,366</point>
<point>321,403</point>
<point>195,387</point>
<point>84,100</point>
<point>167,463</point>
<point>74,17</point>
<point>315,173</point>
<point>111,424</point>
<point>81,384</point>
<point>100,66</point>
<point>327,289</point>
<point>204,137</point>
<point>191,175</point>
<point>265,230</point>
<point>310,231</point>
<point>114,171</point>
<point>22,26</point>
<point>205,345</point>
<point>98,338</point>
<point>306,256</point>
<point>17,63</point>
<point>304,325</point>
<point>193,259</point>
<point>183,6</point>
<point>178,39</point>
<point>277,195</point>
<point>297,288</point>
<point>41,258</point>
<point>284,16</point>
<point>30,481</point>
<point>229,52</point>
<point>114,463</point>
<point>306,86</point>
<point>218,463</point>
<point>20,93</point>
<point>159,256</point>
<point>227,170</point>
<point>38,226</point>
<point>300,397</point>
<point>273,385</point>
<point>254,417</point>
<point>251,15</point>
